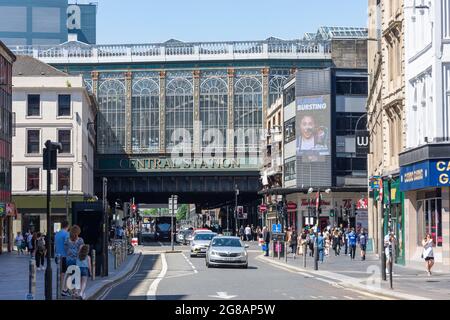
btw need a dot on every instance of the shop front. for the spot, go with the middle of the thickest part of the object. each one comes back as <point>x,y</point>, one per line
<point>426,186</point>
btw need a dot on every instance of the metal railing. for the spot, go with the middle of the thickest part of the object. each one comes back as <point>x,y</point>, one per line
<point>84,53</point>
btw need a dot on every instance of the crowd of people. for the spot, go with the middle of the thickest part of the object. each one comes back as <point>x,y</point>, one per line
<point>69,247</point>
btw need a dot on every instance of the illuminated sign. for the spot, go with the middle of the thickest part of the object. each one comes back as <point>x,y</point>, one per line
<point>431,173</point>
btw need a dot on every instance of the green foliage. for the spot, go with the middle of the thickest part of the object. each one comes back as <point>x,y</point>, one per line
<point>182,212</point>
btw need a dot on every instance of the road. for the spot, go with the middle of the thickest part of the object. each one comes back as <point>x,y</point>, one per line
<point>176,276</point>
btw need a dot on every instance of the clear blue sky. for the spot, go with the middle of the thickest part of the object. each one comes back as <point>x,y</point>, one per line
<point>144,21</point>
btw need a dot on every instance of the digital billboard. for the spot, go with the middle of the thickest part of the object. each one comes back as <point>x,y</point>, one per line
<point>313,126</point>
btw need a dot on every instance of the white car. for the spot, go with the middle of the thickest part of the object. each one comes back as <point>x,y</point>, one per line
<point>200,243</point>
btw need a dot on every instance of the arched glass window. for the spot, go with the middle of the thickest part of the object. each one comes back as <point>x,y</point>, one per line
<point>145,116</point>
<point>214,113</point>
<point>276,88</point>
<point>247,113</point>
<point>179,112</point>
<point>111,117</point>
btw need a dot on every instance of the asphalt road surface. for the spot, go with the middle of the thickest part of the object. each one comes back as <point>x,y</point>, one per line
<point>176,276</point>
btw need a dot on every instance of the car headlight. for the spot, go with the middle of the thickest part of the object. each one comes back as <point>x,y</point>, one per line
<point>243,254</point>
<point>214,253</point>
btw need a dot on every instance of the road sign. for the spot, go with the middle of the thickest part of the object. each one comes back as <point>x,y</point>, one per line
<point>262,208</point>
<point>276,228</point>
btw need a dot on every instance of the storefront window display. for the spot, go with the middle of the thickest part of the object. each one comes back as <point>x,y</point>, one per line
<point>430,219</point>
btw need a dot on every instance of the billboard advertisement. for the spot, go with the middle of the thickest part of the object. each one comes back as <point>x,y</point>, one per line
<point>314,126</point>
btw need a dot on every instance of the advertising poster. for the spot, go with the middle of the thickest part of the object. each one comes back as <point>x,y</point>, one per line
<point>313,126</point>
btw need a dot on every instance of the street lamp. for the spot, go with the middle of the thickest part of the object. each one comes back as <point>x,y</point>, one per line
<point>105,228</point>
<point>316,251</point>
<point>49,163</point>
<point>235,207</point>
<point>66,189</point>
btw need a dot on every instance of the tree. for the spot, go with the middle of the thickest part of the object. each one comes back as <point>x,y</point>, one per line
<point>182,212</point>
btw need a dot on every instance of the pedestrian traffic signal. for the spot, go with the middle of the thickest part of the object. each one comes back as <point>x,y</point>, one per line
<point>133,209</point>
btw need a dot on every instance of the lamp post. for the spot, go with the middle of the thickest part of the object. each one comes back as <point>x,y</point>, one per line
<point>49,164</point>
<point>66,189</point>
<point>105,228</point>
<point>236,208</point>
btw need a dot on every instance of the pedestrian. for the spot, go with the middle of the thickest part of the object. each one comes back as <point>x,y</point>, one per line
<point>311,241</point>
<point>30,242</point>
<point>320,246</point>
<point>19,243</point>
<point>345,240</point>
<point>327,243</point>
<point>242,232</point>
<point>248,233</point>
<point>254,238</point>
<point>25,239</point>
<point>266,237</point>
<point>362,240</point>
<point>60,239</point>
<point>293,242</point>
<point>303,247</point>
<point>352,243</point>
<point>258,232</point>
<point>427,254</point>
<point>72,245</point>
<point>336,242</point>
<point>40,251</point>
<point>84,263</point>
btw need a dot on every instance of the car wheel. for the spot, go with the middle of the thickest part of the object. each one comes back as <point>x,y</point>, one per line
<point>192,256</point>
<point>208,265</point>
<point>245,266</point>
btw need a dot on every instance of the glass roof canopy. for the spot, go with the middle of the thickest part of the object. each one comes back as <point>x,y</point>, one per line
<point>328,33</point>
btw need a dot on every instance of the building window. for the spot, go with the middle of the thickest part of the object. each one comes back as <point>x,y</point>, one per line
<point>63,178</point>
<point>34,105</point>
<point>145,115</point>
<point>289,130</point>
<point>32,179</point>
<point>247,114</point>
<point>289,95</point>
<point>351,86</point>
<point>214,114</point>
<point>289,169</point>
<point>346,123</point>
<point>276,88</point>
<point>179,114</point>
<point>33,139</point>
<point>111,116</point>
<point>430,220</point>
<point>64,139</point>
<point>64,105</point>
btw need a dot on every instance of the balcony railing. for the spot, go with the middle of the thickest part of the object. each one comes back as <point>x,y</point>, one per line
<point>77,52</point>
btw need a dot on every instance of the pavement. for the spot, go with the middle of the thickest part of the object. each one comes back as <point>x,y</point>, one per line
<point>14,276</point>
<point>408,283</point>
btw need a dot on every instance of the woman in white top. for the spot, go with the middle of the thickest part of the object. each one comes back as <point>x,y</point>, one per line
<point>427,244</point>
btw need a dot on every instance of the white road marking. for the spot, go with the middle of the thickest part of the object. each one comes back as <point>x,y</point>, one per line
<point>313,297</point>
<point>333,297</point>
<point>160,243</point>
<point>292,298</point>
<point>190,263</point>
<point>151,293</point>
<point>137,267</point>
<point>349,298</point>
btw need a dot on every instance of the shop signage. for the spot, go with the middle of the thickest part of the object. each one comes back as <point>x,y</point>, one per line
<point>291,206</point>
<point>2,209</point>
<point>362,143</point>
<point>426,174</point>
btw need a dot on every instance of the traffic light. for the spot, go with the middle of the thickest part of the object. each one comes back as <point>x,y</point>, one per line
<point>133,209</point>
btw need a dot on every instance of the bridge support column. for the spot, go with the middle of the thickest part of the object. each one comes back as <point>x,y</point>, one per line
<point>162,112</point>
<point>128,131</point>
<point>230,127</point>
<point>197,129</point>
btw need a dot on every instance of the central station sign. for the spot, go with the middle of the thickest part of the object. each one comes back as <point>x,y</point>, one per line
<point>178,164</point>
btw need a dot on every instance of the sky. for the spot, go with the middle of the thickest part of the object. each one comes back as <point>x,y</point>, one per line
<point>153,21</point>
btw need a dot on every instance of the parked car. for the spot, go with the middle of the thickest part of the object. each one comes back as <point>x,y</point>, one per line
<point>227,250</point>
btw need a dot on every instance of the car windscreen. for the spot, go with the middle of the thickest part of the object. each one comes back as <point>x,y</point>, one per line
<point>226,242</point>
<point>204,236</point>
<point>164,227</point>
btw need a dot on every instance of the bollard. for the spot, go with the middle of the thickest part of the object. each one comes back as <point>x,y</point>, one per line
<point>278,249</point>
<point>115,254</point>
<point>32,280</point>
<point>58,277</point>
<point>93,264</point>
<point>304,254</point>
<point>285,252</point>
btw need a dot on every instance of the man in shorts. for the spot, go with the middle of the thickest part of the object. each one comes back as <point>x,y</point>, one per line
<point>60,238</point>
